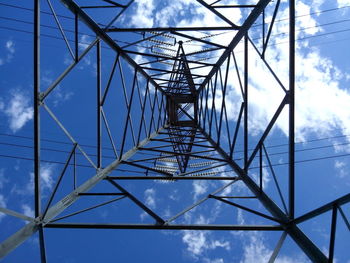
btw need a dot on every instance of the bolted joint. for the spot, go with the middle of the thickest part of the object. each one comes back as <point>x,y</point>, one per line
<point>41,97</point>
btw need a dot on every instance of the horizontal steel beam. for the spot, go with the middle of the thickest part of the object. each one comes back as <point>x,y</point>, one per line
<point>323,209</point>
<point>174,178</point>
<point>169,29</point>
<point>167,227</point>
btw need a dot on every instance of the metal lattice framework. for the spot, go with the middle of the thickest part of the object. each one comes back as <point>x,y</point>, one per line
<point>176,122</point>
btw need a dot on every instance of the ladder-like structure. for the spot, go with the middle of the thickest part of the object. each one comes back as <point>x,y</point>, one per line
<point>175,125</point>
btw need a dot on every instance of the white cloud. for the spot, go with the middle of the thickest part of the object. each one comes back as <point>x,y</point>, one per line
<point>46,182</point>
<point>84,42</point>
<point>240,217</point>
<point>58,95</point>
<point>166,213</point>
<point>150,198</point>
<point>265,178</point>
<point>180,13</point>
<point>171,8</point>
<point>198,242</point>
<point>321,101</point>
<point>199,188</point>
<point>195,241</point>
<point>46,172</point>
<point>18,110</point>
<point>143,215</point>
<point>339,164</point>
<point>341,168</point>
<point>27,210</point>
<point>255,248</point>
<point>341,147</point>
<point>87,61</point>
<point>150,201</point>
<point>61,96</point>
<point>10,51</point>
<point>216,260</point>
<point>324,112</point>
<point>10,46</point>
<point>174,195</point>
<point>140,59</point>
<point>217,243</point>
<point>342,3</point>
<point>143,15</point>
<point>316,74</point>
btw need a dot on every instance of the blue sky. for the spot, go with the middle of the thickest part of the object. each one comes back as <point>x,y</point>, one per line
<point>322,132</point>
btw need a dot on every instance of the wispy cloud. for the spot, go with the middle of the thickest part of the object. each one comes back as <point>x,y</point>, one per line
<point>315,114</point>
<point>174,195</point>
<point>215,260</point>
<point>340,166</point>
<point>27,210</point>
<point>84,42</point>
<point>58,95</point>
<point>46,173</point>
<point>143,13</point>
<point>150,201</point>
<point>195,241</point>
<point>255,246</point>
<point>10,46</point>
<point>343,3</point>
<point>18,110</point>
<point>46,183</point>
<point>321,104</point>
<point>199,188</point>
<point>150,198</point>
<point>9,52</point>
<point>198,242</point>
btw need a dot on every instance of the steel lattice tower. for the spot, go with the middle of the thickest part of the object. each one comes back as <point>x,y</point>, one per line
<point>175,124</point>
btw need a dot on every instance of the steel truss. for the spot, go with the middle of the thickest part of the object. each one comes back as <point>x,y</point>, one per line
<point>183,129</point>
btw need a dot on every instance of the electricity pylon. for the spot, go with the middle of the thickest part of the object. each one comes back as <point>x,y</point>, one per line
<point>176,123</point>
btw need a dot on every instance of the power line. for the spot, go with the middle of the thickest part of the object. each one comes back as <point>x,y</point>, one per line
<point>310,14</point>
<point>111,149</point>
<point>251,168</point>
<point>61,142</point>
<point>51,36</point>
<point>60,37</point>
<point>120,41</point>
<point>138,45</point>
<point>82,33</point>
<point>125,42</point>
<point>32,10</point>
<point>112,157</point>
<point>279,20</point>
